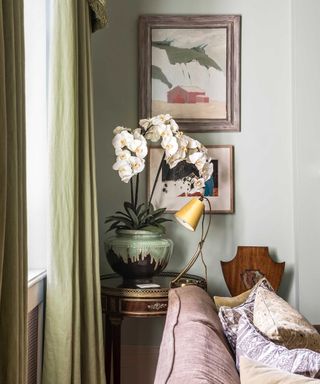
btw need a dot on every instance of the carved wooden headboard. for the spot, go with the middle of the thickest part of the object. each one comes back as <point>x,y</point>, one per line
<point>248,266</point>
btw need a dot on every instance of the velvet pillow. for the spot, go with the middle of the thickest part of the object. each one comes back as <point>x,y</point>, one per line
<point>230,317</point>
<point>232,301</point>
<point>253,345</point>
<point>193,348</point>
<point>277,320</point>
<point>252,372</point>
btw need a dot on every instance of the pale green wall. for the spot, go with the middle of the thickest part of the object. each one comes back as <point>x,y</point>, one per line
<point>263,150</point>
<point>306,134</point>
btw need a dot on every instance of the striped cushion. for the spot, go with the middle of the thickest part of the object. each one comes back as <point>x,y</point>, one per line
<point>253,345</point>
<point>230,317</point>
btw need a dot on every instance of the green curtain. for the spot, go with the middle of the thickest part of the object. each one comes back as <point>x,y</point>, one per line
<point>13,235</point>
<point>73,347</point>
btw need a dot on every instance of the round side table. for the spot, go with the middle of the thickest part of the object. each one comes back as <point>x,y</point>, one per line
<point>122,298</point>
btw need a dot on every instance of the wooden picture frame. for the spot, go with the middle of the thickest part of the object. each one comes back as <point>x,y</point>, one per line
<point>189,67</point>
<point>172,189</point>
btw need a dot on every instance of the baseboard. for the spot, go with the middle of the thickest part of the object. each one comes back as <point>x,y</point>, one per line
<point>138,364</point>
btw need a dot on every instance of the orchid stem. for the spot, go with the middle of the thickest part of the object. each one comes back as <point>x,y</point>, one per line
<point>137,191</point>
<point>131,190</point>
<point>156,179</point>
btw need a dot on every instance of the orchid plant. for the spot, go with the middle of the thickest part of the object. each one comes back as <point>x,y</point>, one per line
<point>131,149</point>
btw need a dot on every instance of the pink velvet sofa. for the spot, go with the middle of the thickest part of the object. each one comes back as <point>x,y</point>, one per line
<point>194,349</point>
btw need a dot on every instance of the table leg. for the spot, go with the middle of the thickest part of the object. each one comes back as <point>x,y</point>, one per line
<point>116,348</point>
<point>108,348</point>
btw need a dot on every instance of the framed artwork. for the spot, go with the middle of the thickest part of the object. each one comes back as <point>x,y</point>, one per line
<point>189,67</point>
<point>174,187</point>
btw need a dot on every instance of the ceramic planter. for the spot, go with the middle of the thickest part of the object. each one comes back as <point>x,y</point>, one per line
<point>138,254</point>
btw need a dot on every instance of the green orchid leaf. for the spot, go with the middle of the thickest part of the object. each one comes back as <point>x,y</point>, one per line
<point>139,208</point>
<point>127,205</point>
<point>113,226</point>
<point>118,218</point>
<point>155,229</point>
<point>158,212</point>
<point>143,214</point>
<point>122,213</point>
<point>134,218</point>
<point>162,220</point>
<point>117,228</point>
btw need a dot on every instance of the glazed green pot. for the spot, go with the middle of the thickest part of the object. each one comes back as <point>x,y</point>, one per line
<point>138,254</point>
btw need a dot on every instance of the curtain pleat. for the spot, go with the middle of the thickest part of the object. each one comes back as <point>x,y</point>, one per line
<point>13,234</point>
<point>73,348</point>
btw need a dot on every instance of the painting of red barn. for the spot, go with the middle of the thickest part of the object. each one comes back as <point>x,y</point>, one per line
<point>189,68</point>
<point>187,94</point>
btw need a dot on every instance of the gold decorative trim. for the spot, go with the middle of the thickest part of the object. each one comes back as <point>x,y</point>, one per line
<point>157,306</point>
<point>138,293</point>
<point>145,293</point>
<point>144,314</point>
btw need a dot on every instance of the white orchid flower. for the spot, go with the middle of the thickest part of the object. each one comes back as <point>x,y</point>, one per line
<point>123,154</point>
<point>166,132</point>
<point>134,144</point>
<point>196,156</point>
<point>200,162</point>
<point>183,143</point>
<point>124,169</point>
<point>153,134</point>
<point>160,119</point>
<point>142,150</point>
<point>165,117</point>
<point>174,126</point>
<point>137,164</point>
<point>192,143</point>
<point>181,152</point>
<point>122,139</point>
<point>203,149</point>
<point>144,123</point>
<point>207,170</point>
<point>160,128</point>
<point>137,134</point>
<point>156,120</point>
<point>125,175</point>
<point>119,129</point>
<point>198,184</point>
<point>175,159</point>
<point>170,145</point>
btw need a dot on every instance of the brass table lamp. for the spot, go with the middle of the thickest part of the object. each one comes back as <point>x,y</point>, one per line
<point>189,216</point>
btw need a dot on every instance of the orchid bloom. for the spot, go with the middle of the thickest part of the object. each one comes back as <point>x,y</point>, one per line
<point>131,148</point>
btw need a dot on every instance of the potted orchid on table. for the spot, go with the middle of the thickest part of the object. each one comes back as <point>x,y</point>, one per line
<point>139,249</point>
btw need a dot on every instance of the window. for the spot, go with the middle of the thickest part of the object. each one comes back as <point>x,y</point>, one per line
<point>35,20</point>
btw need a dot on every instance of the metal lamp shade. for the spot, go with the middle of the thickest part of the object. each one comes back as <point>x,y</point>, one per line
<point>189,215</point>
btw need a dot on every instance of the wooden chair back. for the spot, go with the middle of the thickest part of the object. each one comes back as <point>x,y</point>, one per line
<point>248,266</point>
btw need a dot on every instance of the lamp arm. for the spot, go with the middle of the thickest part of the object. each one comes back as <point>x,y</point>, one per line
<point>198,252</point>
<point>188,266</point>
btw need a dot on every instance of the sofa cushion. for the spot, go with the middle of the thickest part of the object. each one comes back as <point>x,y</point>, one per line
<point>252,372</point>
<point>193,348</point>
<point>230,316</point>
<point>277,320</point>
<point>233,301</point>
<point>253,345</point>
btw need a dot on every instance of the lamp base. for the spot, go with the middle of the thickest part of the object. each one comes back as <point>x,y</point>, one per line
<point>184,281</point>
